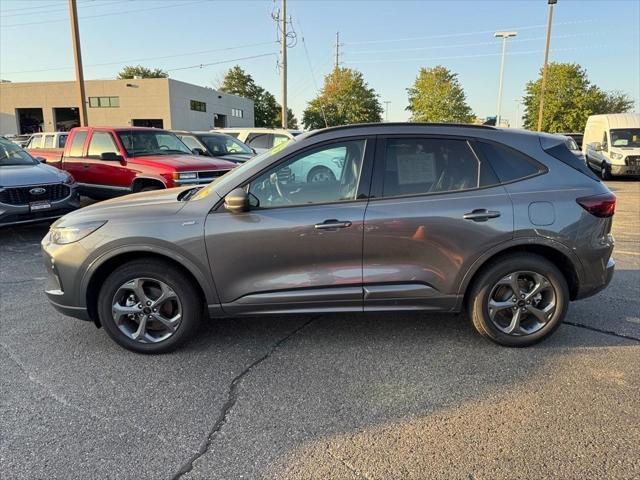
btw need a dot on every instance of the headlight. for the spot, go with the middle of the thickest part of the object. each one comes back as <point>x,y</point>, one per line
<point>69,180</point>
<point>64,235</point>
<point>188,176</point>
<point>616,156</point>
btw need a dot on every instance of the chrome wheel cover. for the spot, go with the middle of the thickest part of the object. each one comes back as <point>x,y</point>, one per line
<point>146,310</point>
<point>522,303</point>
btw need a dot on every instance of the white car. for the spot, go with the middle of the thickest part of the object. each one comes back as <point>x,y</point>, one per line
<point>611,144</point>
<point>261,139</point>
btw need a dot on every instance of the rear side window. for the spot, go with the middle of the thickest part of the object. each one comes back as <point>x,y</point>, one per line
<point>48,141</point>
<point>35,142</point>
<point>562,153</point>
<point>508,164</point>
<point>416,166</point>
<point>77,144</point>
<point>260,140</point>
<point>62,140</point>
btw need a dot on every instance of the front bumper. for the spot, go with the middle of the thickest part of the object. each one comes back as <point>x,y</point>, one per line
<point>625,170</point>
<point>21,214</point>
<point>63,279</point>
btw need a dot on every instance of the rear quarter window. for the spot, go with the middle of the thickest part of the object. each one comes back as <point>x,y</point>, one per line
<point>562,153</point>
<point>508,163</point>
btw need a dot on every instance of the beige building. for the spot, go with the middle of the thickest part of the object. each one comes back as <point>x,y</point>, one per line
<point>157,102</point>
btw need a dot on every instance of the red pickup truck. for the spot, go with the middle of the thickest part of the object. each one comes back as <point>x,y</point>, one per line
<point>113,161</point>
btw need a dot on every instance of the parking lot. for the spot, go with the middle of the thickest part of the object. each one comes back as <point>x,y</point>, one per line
<point>331,396</point>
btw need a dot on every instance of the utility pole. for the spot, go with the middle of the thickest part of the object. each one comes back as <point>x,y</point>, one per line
<point>504,36</point>
<point>75,37</point>
<point>283,60</point>
<point>386,110</point>
<point>337,49</point>
<point>546,61</point>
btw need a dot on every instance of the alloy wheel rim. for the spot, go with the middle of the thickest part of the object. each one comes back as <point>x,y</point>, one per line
<point>522,303</point>
<point>146,310</point>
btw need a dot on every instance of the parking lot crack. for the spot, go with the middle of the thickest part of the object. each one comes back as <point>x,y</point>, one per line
<point>599,330</point>
<point>232,397</point>
<point>66,403</point>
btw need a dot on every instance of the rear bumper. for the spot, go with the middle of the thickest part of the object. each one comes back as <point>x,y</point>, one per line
<point>602,283</point>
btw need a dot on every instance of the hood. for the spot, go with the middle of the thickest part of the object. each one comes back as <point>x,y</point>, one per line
<point>25,175</point>
<point>236,157</point>
<point>185,162</point>
<point>146,205</point>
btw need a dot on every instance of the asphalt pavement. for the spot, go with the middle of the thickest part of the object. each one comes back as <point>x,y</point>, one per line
<point>402,396</point>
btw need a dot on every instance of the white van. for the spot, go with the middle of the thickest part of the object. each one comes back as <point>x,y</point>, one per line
<point>261,139</point>
<point>611,144</point>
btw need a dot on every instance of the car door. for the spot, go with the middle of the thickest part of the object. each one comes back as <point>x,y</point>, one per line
<point>435,207</point>
<point>106,176</point>
<point>73,158</point>
<point>299,247</point>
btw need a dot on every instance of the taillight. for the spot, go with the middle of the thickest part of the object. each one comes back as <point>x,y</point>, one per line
<point>599,205</point>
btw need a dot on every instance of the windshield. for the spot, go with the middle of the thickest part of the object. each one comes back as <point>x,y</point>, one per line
<point>219,145</point>
<point>12,154</point>
<point>571,144</point>
<point>625,137</point>
<point>138,143</point>
<point>239,171</point>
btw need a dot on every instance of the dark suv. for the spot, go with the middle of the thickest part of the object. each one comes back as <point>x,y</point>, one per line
<point>507,224</point>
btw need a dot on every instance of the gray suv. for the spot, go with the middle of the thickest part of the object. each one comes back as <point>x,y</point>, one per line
<point>508,225</point>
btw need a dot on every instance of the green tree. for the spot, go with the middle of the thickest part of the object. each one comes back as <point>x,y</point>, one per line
<point>237,82</point>
<point>437,96</point>
<point>569,99</point>
<point>344,99</point>
<point>292,121</point>
<point>130,71</point>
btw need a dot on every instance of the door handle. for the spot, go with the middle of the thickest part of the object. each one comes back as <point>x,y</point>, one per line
<point>332,223</point>
<point>481,215</point>
<point>86,165</point>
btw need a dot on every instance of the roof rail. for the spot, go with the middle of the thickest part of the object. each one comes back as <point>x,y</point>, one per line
<point>397,124</point>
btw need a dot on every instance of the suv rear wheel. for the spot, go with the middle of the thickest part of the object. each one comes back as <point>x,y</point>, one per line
<point>149,306</point>
<point>518,300</point>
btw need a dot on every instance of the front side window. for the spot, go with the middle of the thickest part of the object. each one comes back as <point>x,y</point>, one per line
<point>11,154</point>
<point>324,175</point>
<point>428,165</point>
<point>101,142</point>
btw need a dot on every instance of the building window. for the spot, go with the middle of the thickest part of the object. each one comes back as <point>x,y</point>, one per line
<point>237,112</point>
<point>104,102</point>
<point>198,106</point>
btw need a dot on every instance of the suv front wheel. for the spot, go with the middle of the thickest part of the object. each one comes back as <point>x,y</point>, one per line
<point>518,300</point>
<point>149,306</point>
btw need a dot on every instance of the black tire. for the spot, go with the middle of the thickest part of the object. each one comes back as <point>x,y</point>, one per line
<point>185,290</point>
<point>605,173</point>
<point>477,302</point>
<point>320,170</point>
<point>150,188</point>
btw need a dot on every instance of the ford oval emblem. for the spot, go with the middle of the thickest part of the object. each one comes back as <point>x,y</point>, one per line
<point>37,191</point>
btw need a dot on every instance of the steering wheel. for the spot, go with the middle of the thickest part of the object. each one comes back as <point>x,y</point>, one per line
<point>274,181</point>
<point>163,147</point>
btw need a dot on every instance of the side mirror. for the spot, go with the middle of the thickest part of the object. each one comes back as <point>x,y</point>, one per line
<point>597,146</point>
<point>237,201</point>
<point>198,151</point>
<point>111,157</point>
<point>254,151</point>
<point>41,159</point>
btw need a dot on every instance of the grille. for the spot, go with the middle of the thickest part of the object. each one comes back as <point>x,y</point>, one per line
<point>23,196</point>
<point>206,177</point>
<point>633,160</point>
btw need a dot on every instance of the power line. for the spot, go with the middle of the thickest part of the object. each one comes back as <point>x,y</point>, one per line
<point>85,17</point>
<point>53,2</point>
<point>313,77</point>
<point>183,54</point>
<point>202,65</point>
<point>60,9</point>
<point>462,34</point>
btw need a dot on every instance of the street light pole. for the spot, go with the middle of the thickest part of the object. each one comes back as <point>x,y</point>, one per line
<point>504,36</point>
<point>386,110</point>
<point>546,61</point>
<point>75,37</point>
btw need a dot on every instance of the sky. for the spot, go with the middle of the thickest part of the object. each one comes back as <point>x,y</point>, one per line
<point>387,40</point>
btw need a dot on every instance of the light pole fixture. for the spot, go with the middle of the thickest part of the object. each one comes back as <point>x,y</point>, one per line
<point>546,61</point>
<point>504,36</point>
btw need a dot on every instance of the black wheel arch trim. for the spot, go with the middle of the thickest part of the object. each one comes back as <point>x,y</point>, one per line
<point>515,243</point>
